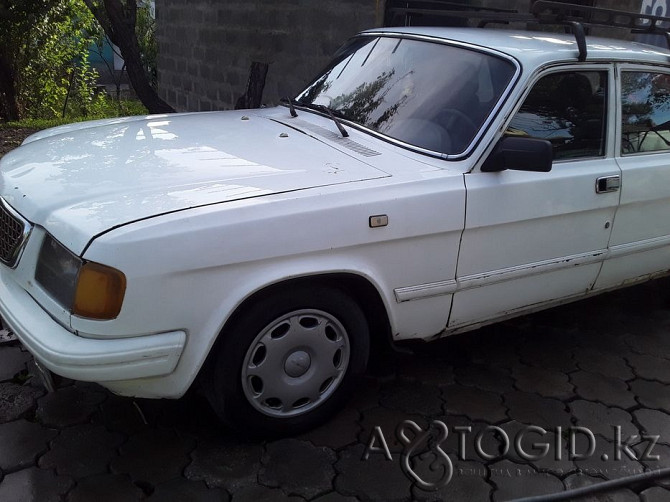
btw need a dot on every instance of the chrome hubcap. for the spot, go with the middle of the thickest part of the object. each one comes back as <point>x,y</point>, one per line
<point>295,363</point>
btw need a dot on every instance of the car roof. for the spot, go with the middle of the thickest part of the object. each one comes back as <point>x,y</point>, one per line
<point>535,48</point>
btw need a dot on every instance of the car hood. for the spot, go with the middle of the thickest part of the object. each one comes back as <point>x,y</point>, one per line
<point>80,180</point>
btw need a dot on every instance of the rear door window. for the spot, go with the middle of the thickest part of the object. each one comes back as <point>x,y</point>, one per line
<point>645,112</point>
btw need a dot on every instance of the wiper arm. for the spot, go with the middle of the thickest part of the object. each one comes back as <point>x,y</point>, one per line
<point>290,106</point>
<point>329,112</point>
<point>339,125</point>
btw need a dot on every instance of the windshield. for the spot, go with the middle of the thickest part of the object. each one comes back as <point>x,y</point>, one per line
<point>429,95</point>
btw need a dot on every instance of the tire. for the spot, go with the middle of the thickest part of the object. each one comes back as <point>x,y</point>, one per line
<point>288,362</point>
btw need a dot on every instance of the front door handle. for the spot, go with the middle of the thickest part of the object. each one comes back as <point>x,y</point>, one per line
<point>608,184</point>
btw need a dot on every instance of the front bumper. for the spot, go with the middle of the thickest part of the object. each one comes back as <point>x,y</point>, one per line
<point>91,360</point>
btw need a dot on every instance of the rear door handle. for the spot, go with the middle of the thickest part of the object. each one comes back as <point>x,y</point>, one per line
<point>608,184</point>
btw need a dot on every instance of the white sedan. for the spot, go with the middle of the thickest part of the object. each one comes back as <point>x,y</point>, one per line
<point>428,182</point>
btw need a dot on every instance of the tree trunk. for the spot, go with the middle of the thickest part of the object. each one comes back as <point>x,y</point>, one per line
<point>253,96</point>
<point>9,108</point>
<point>118,20</point>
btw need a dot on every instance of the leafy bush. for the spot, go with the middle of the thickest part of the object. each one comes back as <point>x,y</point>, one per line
<point>54,76</point>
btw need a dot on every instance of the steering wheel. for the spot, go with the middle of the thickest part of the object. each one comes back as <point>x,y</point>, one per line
<point>460,115</point>
<point>461,127</point>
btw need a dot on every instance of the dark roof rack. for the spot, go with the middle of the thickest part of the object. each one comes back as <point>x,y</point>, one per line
<point>406,13</point>
<point>545,12</point>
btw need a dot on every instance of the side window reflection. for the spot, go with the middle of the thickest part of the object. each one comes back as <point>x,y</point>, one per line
<point>568,109</point>
<point>645,112</point>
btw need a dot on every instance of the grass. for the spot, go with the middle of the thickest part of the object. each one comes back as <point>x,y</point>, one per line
<point>110,109</point>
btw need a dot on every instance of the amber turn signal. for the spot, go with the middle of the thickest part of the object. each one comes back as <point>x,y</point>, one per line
<point>100,291</point>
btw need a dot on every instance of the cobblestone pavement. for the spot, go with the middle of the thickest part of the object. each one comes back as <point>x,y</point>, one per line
<point>589,367</point>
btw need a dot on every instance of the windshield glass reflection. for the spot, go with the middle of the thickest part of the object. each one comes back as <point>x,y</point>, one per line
<point>429,95</point>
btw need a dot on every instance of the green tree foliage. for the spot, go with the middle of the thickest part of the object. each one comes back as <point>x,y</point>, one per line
<point>126,24</point>
<point>145,29</point>
<point>44,68</point>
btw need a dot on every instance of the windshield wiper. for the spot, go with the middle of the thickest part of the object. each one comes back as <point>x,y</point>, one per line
<point>339,125</point>
<point>329,112</point>
<point>290,106</point>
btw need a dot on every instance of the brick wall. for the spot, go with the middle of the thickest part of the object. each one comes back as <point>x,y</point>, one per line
<point>206,46</point>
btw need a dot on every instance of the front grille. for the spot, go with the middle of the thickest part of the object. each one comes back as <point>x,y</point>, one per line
<point>13,232</point>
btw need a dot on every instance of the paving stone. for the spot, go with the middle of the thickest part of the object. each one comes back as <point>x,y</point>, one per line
<point>544,382</point>
<point>366,394</point>
<point>298,467</point>
<point>22,442</point>
<point>371,479</point>
<point>484,377</point>
<point>558,464</point>
<point>341,430</point>
<point>225,462</point>
<point>516,480</point>
<point>537,354</point>
<point>601,419</point>
<point>606,363</point>
<point>575,481</point>
<point>388,421</point>
<point>615,322</point>
<point>497,355</point>
<point>474,403</point>
<point>468,483</point>
<point>449,350</point>
<point>412,397</point>
<point>17,400</point>
<point>650,367</point>
<point>462,438</point>
<point>564,325</point>
<point>536,410</point>
<point>68,406</point>
<point>120,414</point>
<point>654,457</point>
<point>652,394</point>
<point>521,443</point>
<point>603,462</point>
<point>604,389</point>
<point>427,370</point>
<point>425,459</point>
<point>154,456</point>
<point>34,485</point>
<point>650,345</point>
<point>263,494</point>
<point>655,494</point>
<point>334,497</point>
<point>179,490</point>
<point>191,413</point>
<point>82,451</point>
<point>654,422</point>
<point>106,488</point>
<point>601,342</point>
<point>12,361</point>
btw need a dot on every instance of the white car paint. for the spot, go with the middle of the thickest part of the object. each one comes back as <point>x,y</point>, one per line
<point>200,211</point>
<point>115,173</point>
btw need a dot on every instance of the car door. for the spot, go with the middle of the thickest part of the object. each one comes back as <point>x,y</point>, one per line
<point>640,242</point>
<point>534,237</point>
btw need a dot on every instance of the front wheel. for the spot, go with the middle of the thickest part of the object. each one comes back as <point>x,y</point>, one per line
<point>288,362</point>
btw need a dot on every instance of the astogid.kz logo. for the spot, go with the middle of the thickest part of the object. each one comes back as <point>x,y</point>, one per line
<point>425,463</point>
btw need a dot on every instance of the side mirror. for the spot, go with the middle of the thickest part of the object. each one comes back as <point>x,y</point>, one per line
<point>520,154</point>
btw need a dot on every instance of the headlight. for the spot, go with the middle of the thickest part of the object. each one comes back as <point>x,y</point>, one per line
<point>87,289</point>
<point>57,271</point>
